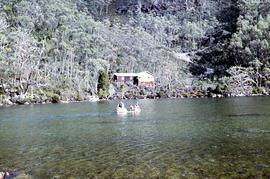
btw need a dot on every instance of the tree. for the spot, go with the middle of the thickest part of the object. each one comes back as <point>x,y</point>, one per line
<point>266,76</point>
<point>103,84</point>
<point>239,82</point>
<point>250,45</point>
<point>256,72</point>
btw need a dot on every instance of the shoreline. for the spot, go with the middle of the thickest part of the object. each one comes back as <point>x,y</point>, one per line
<point>135,97</point>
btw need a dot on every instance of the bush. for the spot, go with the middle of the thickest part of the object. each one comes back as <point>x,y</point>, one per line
<point>254,90</point>
<point>49,93</point>
<point>2,91</point>
<point>79,98</point>
<point>260,90</point>
<point>103,84</point>
<point>160,94</point>
<point>57,91</point>
<point>122,86</point>
<point>102,94</point>
<point>55,99</point>
<point>218,89</point>
<point>209,89</point>
<point>257,90</point>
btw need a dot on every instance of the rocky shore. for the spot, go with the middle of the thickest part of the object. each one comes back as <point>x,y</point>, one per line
<point>13,97</point>
<point>41,96</point>
<point>141,92</point>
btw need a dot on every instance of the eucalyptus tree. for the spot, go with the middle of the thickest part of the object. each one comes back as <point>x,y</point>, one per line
<point>65,44</point>
<point>23,60</point>
<point>250,45</point>
<point>240,81</point>
<point>3,50</point>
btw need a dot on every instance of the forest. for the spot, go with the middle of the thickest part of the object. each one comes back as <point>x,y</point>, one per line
<point>54,50</point>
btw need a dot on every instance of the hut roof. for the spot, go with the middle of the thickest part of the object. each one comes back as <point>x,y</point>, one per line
<point>133,74</point>
<point>126,74</point>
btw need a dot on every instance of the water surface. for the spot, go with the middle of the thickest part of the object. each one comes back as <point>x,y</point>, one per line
<point>169,138</point>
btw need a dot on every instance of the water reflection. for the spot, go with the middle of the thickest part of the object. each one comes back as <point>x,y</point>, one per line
<point>169,138</point>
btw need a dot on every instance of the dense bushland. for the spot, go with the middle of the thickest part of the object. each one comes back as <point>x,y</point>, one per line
<point>62,45</point>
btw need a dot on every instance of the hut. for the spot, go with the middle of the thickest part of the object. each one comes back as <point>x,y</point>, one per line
<point>143,78</point>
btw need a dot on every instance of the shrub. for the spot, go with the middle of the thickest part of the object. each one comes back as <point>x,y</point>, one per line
<point>2,91</point>
<point>49,93</point>
<point>260,90</point>
<point>102,94</point>
<point>209,89</point>
<point>257,90</point>
<point>57,91</point>
<point>79,98</point>
<point>103,84</point>
<point>218,89</point>
<point>160,93</point>
<point>55,99</point>
<point>122,86</point>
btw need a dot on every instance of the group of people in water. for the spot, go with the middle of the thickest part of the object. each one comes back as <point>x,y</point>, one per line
<point>121,107</point>
<point>4,175</point>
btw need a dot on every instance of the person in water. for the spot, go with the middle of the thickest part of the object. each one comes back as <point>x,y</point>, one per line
<point>131,108</point>
<point>137,105</point>
<point>121,105</point>
<point>4,175</point>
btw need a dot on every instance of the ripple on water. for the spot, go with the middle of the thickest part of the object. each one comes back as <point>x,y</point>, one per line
<point>180,139</point>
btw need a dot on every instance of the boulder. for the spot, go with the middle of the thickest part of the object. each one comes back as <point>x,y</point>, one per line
<point>20,99</point>
<point>43,99</point>
<point>14,99</point>
<point>213,95</point>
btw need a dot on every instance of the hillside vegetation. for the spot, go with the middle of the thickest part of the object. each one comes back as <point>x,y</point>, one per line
<point>58,48</point>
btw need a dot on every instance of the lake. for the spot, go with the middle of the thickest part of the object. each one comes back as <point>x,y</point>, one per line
<point>227,137</point>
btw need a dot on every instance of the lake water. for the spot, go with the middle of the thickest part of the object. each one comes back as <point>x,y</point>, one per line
<point>169,138</point>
